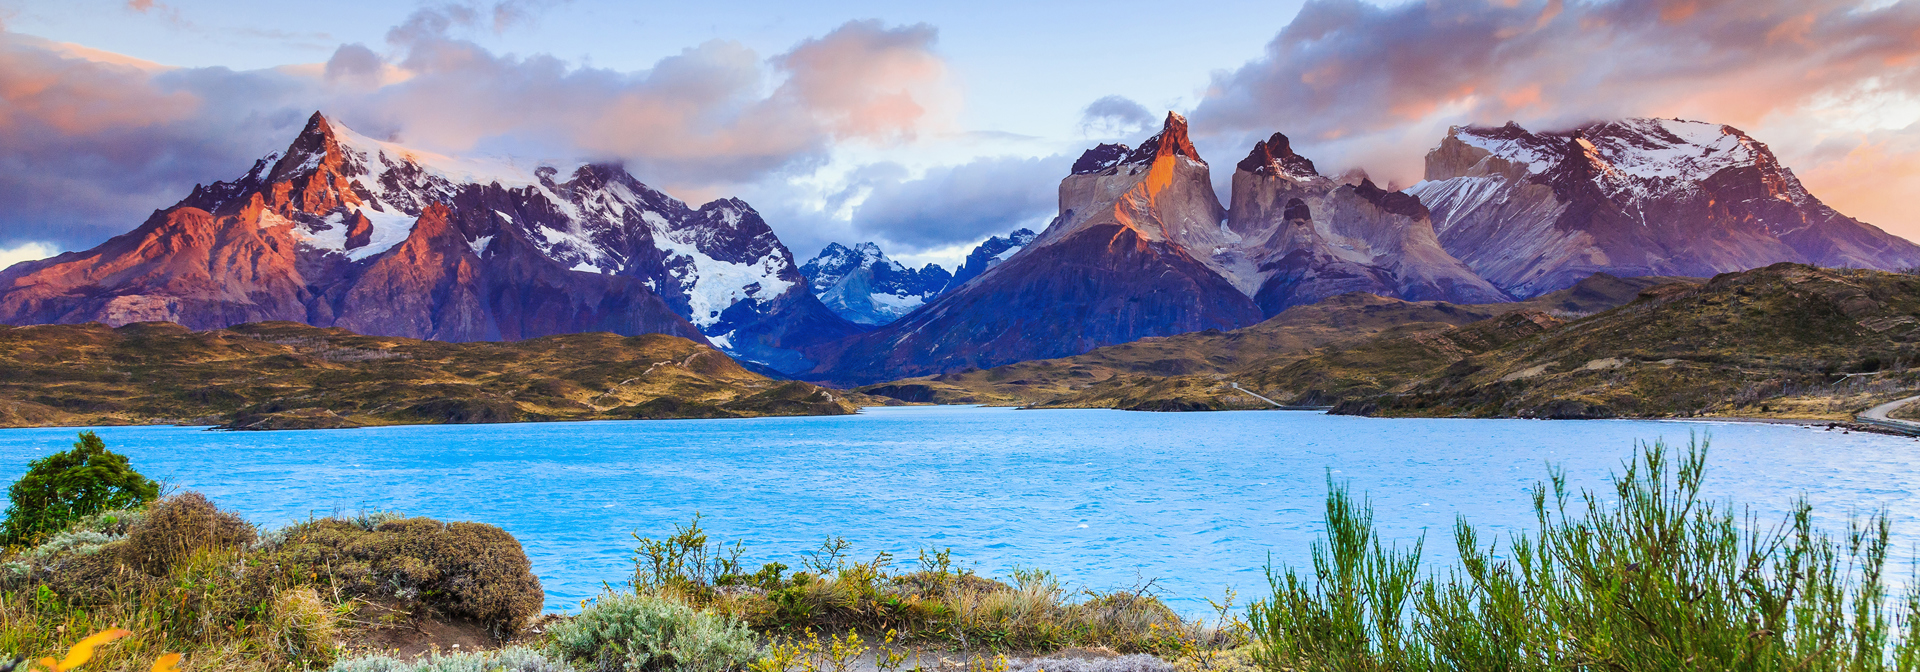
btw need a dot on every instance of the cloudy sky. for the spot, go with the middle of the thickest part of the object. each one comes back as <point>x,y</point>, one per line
<point>922,126</point>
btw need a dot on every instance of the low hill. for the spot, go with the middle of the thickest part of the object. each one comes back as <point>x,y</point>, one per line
<point>1126,375</point>
<point>1759,342</point>
<point>1786,341</point>
<point>283,375</point>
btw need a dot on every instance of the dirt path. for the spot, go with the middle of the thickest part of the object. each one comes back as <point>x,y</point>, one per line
<point>1877,416</point>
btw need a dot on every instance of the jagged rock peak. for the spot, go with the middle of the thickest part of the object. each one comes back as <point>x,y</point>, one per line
<point>1396,202</point>
<point>1100,158</point>
<point>316,144</point>
<point>1274,156</point>
<point>1170,141</point>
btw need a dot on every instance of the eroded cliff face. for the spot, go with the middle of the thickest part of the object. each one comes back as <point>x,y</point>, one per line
<point>1310,238</point>
<point>342,230</point>
<point>1535,212</point>
<point>1116,265</point>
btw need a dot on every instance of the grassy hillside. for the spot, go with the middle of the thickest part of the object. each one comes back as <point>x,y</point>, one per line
<point>1771,341</point>
<point>1786,341</point>
<point>1192,371</point>
<point>281,375</point>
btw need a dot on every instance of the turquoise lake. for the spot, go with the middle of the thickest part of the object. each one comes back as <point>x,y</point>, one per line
<point>1195,502</point>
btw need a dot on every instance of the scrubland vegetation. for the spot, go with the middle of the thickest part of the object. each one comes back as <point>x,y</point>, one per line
<point>1646,575</point>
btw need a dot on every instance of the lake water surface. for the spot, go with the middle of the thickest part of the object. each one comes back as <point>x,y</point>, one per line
<point>1106,499</point>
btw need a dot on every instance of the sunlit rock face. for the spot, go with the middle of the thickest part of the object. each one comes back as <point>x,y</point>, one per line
<point>344,230</point>
<point>1535,212</point>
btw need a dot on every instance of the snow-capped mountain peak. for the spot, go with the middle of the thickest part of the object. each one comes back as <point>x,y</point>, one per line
<point>1637,157</point>
<point>861,284</point>
<point>347,208</point>
<point>1637,196</point>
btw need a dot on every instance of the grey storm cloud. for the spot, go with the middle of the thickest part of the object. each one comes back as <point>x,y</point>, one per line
<point>961,203</point>
<point>1114,116</point>
<point>90,145</point>
<point>1349,79</point>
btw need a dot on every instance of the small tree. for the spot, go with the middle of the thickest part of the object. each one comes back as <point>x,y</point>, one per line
<point>70,485</point>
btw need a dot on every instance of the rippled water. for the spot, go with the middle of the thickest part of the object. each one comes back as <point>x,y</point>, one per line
<point>1107,499</point>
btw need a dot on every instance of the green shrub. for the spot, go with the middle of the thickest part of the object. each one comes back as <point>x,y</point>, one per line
<point>461,570</point>
<point>639,633</point>
<point>1648,576</point>
<point>510,659</point>
<point>71,485</point>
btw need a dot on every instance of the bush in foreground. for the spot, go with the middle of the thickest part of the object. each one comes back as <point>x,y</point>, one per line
<point>459,570</point>
<point>184,576</point>
<point>1647,577</point>
<point>65,487</point>
<point>641,633</point>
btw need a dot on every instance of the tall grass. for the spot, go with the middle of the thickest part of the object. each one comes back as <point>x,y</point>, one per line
<point>1648,576</point>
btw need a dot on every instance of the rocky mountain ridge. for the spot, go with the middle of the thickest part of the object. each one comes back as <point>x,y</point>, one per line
<point>1534,212</point>
<point>344,230</point>
<point>1310,237</point>
<point>1504,214</point>
<point>1113,266</point>
<point>861,284</point>
<point>1142,247</point>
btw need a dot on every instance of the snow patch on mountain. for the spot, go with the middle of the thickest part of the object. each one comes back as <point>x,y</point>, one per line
<point>712,286</point>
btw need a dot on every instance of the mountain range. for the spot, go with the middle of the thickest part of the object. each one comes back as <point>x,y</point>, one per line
<point>1535,212</point>
<point>862,285</point>
<point>342,230</point>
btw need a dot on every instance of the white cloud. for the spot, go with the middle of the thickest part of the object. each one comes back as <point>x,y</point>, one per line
<point>25,252</point>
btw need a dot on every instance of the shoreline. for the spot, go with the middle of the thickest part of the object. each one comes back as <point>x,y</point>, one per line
<point>1850,424</point>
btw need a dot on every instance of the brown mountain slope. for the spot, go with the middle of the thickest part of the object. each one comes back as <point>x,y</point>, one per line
<point>282,375</point>
<point>1777,341</point>
<point>1742,343</point>
<point>1105,377</point>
